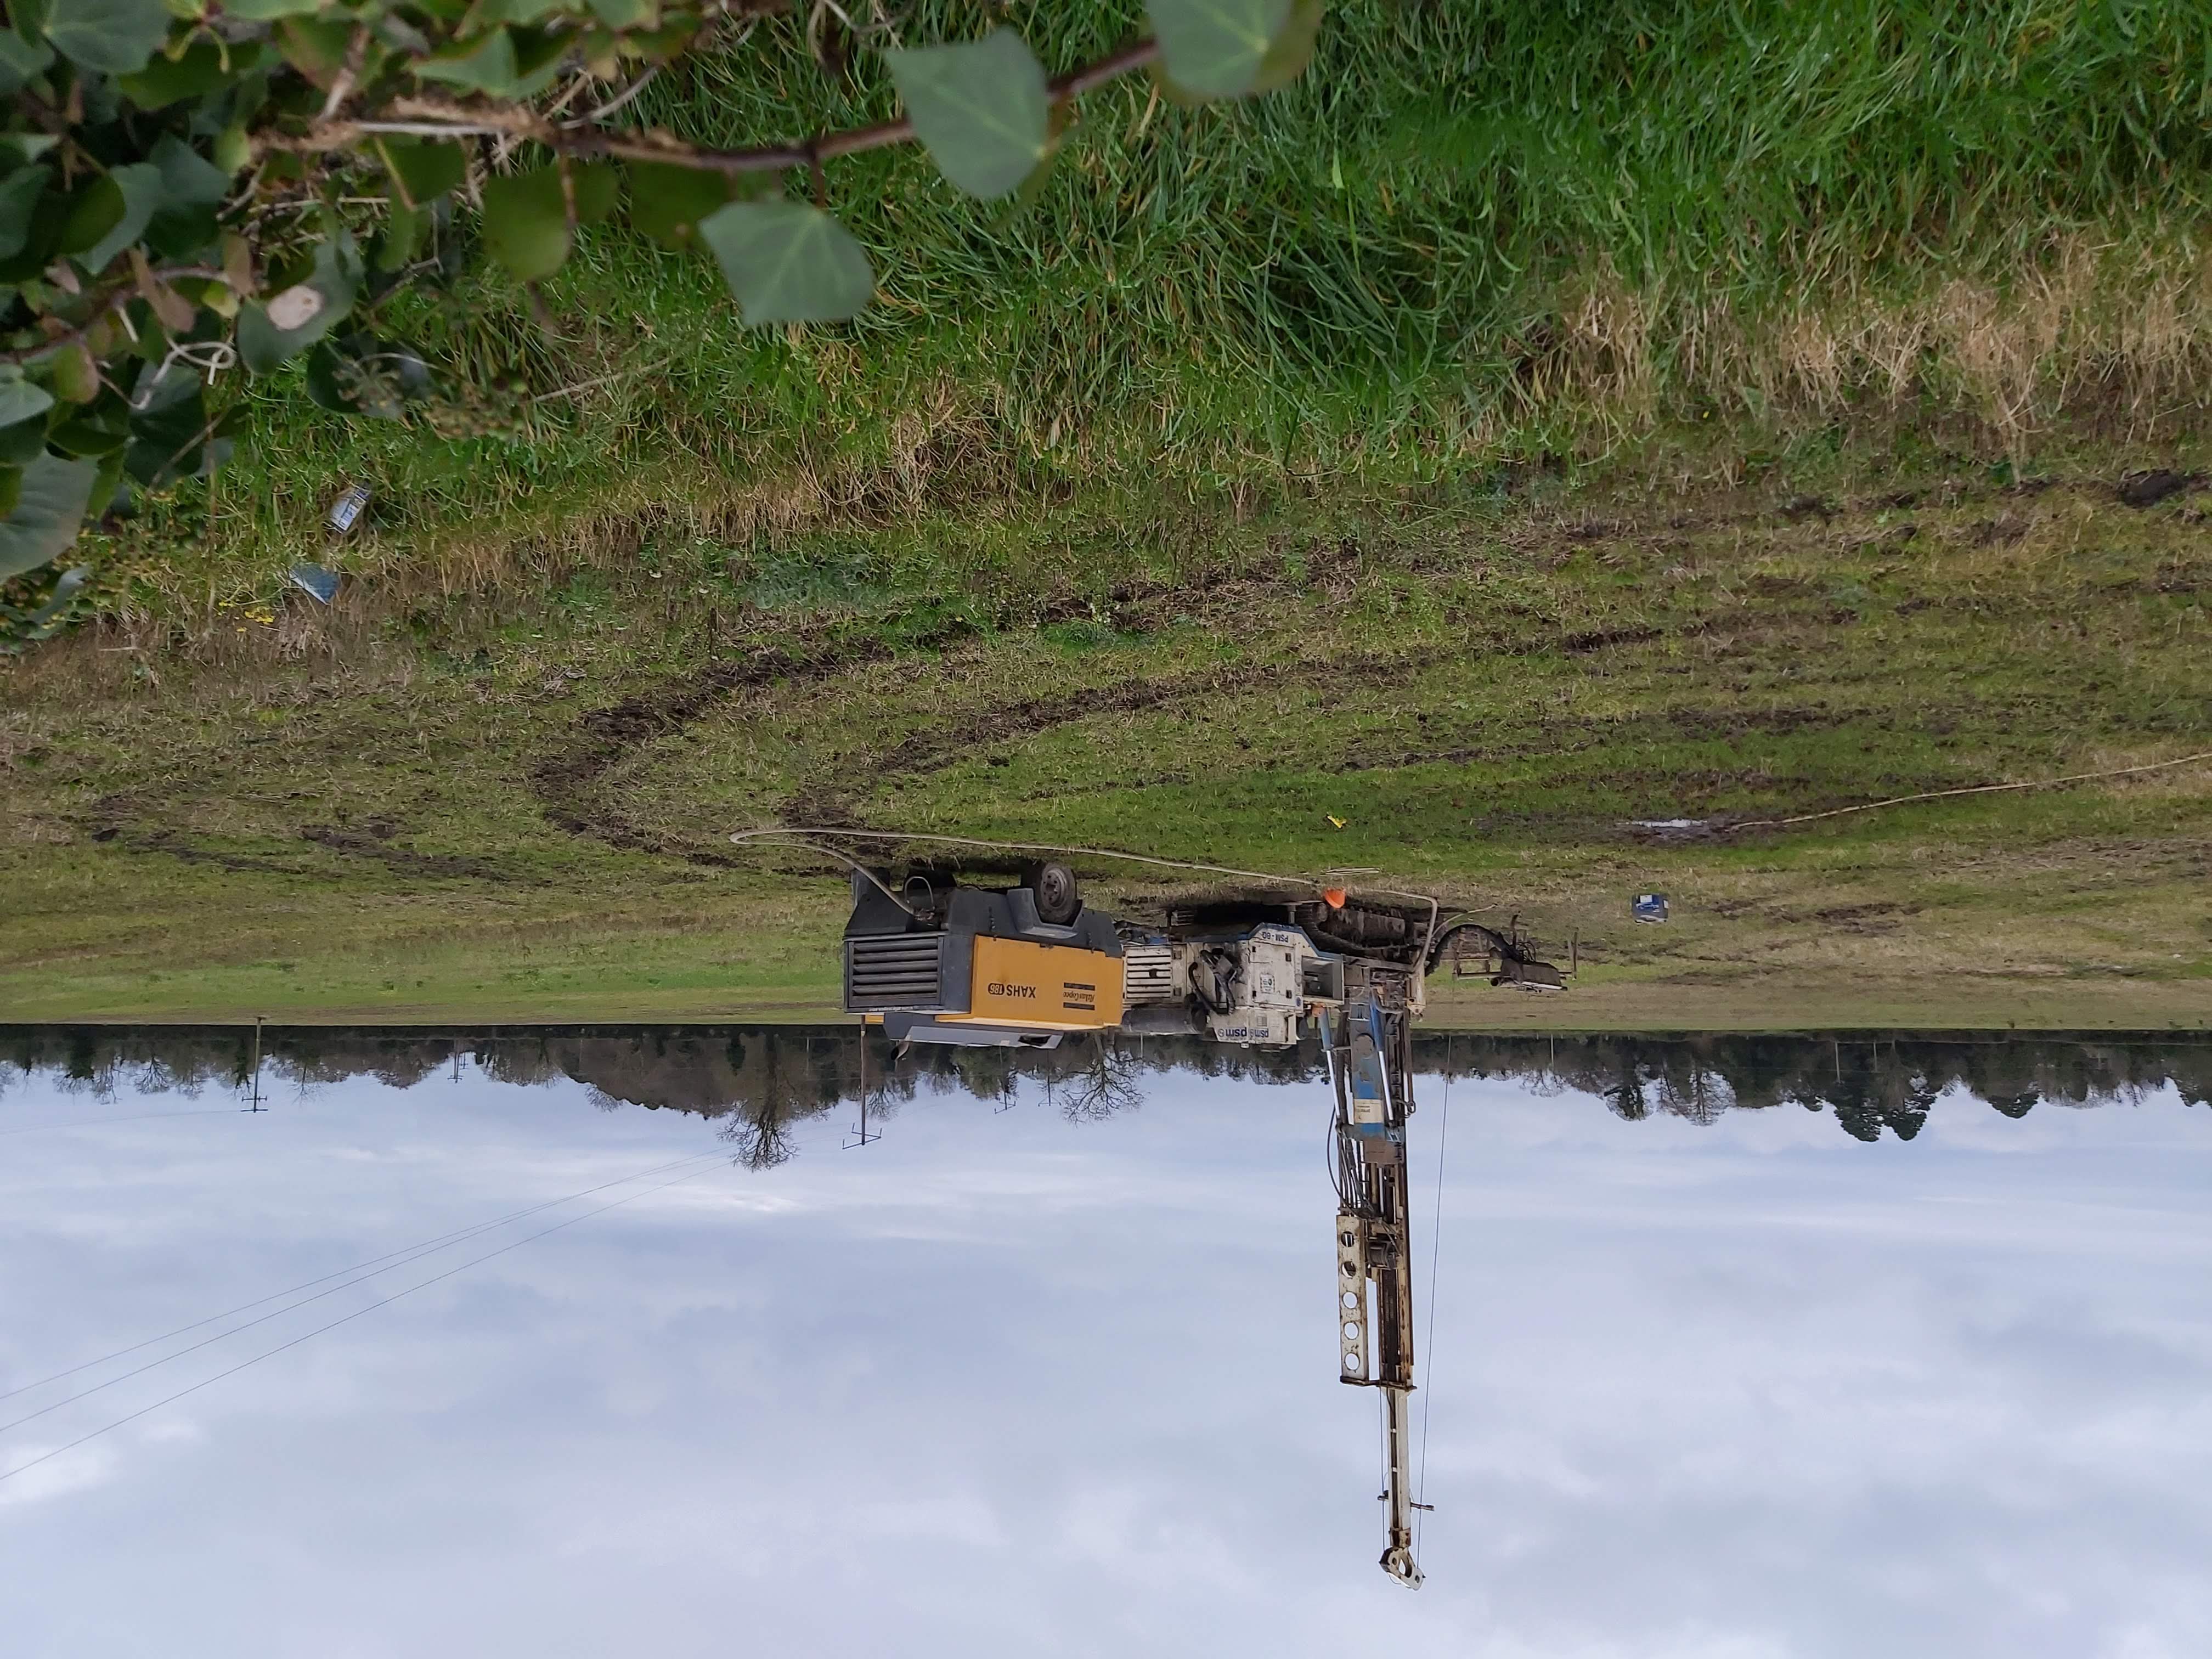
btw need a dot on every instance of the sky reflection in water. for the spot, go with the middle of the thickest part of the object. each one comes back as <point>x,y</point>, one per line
<point>1003,1383</point>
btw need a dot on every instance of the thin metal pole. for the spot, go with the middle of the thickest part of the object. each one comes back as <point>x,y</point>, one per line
<point>865,1137</point>
<point>254,1099</point>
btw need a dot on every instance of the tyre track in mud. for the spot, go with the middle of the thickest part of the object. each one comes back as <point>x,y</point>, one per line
<point>607,738</point>
<point>119,820</point>
<point>566,780</point>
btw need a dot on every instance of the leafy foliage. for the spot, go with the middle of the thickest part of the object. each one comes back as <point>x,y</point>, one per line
<point>1215,48</point>
<point>188,187</point>
<point>981,108</point>
<point>787,262</point>
<point>50,496</point>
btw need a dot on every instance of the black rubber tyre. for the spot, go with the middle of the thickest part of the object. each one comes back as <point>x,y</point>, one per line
<point>1058,902</point>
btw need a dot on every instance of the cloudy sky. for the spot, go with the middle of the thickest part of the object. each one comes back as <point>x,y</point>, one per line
<point>1002,1384</point>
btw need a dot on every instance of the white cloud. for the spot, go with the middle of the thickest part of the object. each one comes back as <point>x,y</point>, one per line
<point>1003,1384</point>
<point>65,1475</point>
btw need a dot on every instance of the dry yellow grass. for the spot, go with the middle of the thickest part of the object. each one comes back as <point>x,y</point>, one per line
<point>2107,328</point>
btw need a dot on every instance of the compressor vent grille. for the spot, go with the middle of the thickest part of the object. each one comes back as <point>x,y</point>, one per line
<point>895,972</point>
<point>1147,974</point>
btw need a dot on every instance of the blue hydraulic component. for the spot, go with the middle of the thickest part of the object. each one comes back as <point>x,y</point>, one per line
<point>1368,1075</point>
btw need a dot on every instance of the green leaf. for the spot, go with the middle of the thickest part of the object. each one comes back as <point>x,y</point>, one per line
<point>666,203</point>
<point>19,200</point>
<point>506,64</point>
<point>181,233</point>
<point>233,149</point>
<point>1215,48</point>
<point>114,36</point>
<point>537,57</point>
<point>46,513</point>
<point>19,400</point>
<point>23,441</point>
<point>1031,190</point>
<point>626,13</point>
<point>981,109</point>
<point>109,493</point>
<point>424,169</point>
<point>1170,89</point>
<point>525,223</point>
<point>403,235</point>
<point>144,192</point>
<point>82,436</point>
<point>268,11</point>
<point>1292,48</point>
<point>74,377</point>
<point>97,208</point>
<point>400,35</point>
<point>788,263</point>
<point>597,185</point>
<point>189,178</point>
<point>486,66</point>
<point>40,244</point>
<point>664,44</point>
<point>361,374</point>
<point>487,12</point>
<point>192,188</point>
<point>167,435</point>
<point>203,68</point>
<point>21,62</point>
<point>19,149</point>
<point>269,334</point>
<point>316,47</point>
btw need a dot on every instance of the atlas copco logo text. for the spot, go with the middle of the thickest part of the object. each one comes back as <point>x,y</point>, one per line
<point>998,988</point>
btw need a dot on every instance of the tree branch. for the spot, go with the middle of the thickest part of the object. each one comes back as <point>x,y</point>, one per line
<point>115,301</point>
<point>437,117</point>
<point>1134,55</point>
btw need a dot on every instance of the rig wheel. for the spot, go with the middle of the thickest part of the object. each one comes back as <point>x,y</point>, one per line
<point>1059,901</point>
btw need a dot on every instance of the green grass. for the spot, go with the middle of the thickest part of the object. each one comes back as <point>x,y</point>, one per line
<point>1472,230</point>
<point>445,820</point>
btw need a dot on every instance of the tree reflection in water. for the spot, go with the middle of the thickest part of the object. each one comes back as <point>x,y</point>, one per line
<point>765,1081</point>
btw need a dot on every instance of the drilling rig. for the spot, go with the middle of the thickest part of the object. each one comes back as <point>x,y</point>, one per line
<point>936,961</point>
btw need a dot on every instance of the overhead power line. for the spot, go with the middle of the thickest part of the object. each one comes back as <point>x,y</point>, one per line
<point>399,1258</point>
<point>270,1353</point>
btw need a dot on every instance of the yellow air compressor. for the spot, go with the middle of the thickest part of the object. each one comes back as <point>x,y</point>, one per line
<point>944,963</point>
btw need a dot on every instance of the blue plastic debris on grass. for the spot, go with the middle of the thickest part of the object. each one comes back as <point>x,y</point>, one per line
<point>318,584</point>
<point>1650,907</point>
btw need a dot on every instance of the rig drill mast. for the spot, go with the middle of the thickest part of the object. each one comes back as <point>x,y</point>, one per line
<point>1370,1054</point>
